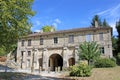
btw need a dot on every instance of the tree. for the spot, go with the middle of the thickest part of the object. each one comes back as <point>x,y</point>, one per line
<point>105,24</point>
<point>96,18</point>
<point>14,21</point>
<point>48,28</point>
<point>89,51</point>
<point>118,30</point>
<point>114,42</point>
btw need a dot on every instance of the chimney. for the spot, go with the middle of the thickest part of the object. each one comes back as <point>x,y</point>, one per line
<point>96,24</point>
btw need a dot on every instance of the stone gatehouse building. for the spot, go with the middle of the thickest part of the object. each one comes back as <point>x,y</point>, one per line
<point>58,49</point>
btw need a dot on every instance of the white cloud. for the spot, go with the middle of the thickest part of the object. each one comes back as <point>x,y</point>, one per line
<point>55,24</point>
<point>113,26</point>
<point>114,29</point>
<point>111,12</point>
<point>104,12</point>
<point>37,23</point>
<point>112,15</point>
<point>57,21</point>
<point>37,30</point>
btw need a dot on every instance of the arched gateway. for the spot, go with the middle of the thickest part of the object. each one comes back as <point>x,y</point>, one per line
<point>55,62</point>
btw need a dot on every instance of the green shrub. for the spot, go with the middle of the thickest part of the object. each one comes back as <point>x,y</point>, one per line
<point>118,59</point>
<point>81,70</point>
<point>113,59</point>
<point>105,62</point>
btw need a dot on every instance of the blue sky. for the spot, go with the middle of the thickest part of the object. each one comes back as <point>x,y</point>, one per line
<point>68,14</point>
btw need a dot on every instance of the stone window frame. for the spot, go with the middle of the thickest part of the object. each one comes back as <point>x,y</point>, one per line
<point>29,53</point>
<point>55,40</point>
<point>101,36</point>
<point>102,50</point>
<point>23,43</point>
<point>71,39</point>
<point>88,37</point>
<point>41,41</point>
<point>29,42</point>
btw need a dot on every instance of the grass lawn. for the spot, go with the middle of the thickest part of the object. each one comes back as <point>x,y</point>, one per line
<point>106,73</point>
<point>103,74</point>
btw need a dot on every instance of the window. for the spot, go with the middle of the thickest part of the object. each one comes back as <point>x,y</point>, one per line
<point>71,39</point>
<point>41,41</point>
<point>29,53</point>
<point>22,52</point>
<point>100,36</point>
<point>102,50</point>
<point>55,40</point>
<point>23,42</point>
<point>108,46</point>
<point>88,37</point>
<point>29,42</point>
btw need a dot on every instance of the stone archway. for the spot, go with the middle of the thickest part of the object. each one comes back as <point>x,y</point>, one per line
<point>55,62</point>
<point>71,61</point>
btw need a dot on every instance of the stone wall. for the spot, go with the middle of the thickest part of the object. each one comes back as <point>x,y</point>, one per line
<point>63,47</point>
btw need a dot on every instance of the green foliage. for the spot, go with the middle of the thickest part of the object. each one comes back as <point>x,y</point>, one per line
<point>118,30</point>
<point>114,42</point>
<point>48,28</point>
<point>118,59</point>
<point>2,51</point>
<point>89,51</point>
<point>96,18</point>
<point>81,70</point>
<point>100,23</point>
<point>14,21</point>
<point>113,59</point>
<point>105,63</point>
<point>105,24</point>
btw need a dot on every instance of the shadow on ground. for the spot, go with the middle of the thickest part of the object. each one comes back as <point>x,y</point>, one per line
<point>4,67</point>
<point>25,76</point>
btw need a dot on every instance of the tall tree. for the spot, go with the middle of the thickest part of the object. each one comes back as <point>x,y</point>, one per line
<point>48,28</point>
<point>114,42</point>
<point>118,30</point>
<point>89,51</point>
<point>96,18</point>
<point>14,21</point>
<point>105,24</point>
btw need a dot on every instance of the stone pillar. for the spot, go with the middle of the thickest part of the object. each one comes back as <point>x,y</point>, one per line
<point>51,64</point>
<point>45,59</point>
<point>65,57</point>
<point>24,60</point>
<point>36,59</point>
<point>76,55</point>
<point>25,54</point>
